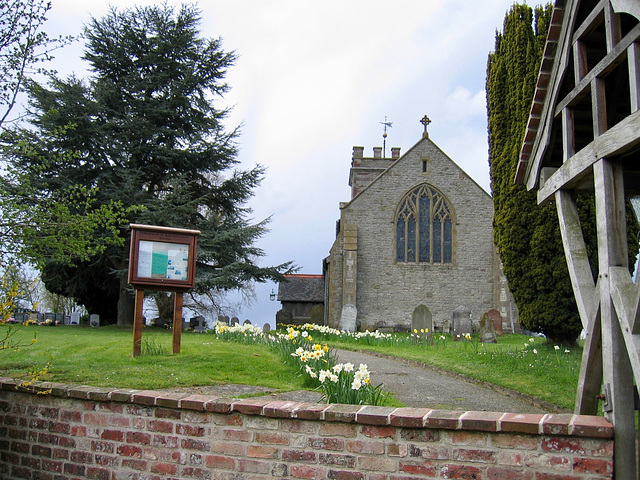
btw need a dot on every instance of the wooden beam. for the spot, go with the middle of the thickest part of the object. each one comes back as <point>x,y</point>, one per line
<point>580,63</point>
<point>590,379</point>
<point>587,300</point>
<point>616,366</point>
<point>568,135</point>
<point>590,22</point>
<point>613,29</point>
<point>611,60</point>
<point>631,7</point>
<point>137,322</point>
<point>633,59</point>
<point>626,298</point>
<point>617,140</point>
<point>598,106</point>
<point>575,250</point>
<point>177,321</point>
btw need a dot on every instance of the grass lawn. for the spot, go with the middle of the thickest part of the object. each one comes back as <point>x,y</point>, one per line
<point>103,357</point>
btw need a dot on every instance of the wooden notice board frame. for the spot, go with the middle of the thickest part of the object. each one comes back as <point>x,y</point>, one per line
<point>161,259</point>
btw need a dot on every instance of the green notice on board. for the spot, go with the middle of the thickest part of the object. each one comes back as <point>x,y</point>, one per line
<point>159,262</point>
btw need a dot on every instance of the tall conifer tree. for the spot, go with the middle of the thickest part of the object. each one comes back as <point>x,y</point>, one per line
<point>144,130</point>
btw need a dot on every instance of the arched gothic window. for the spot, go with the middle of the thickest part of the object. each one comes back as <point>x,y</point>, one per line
<point>424,227</point>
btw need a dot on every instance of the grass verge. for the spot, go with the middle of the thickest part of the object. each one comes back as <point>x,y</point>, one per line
<point>103,357</point>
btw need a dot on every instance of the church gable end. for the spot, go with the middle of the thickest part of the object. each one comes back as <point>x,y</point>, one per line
<point>424,237</point>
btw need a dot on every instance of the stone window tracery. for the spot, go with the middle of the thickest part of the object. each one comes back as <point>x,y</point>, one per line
<point>424,227</point>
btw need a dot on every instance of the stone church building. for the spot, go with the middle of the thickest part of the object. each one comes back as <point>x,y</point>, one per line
<point>417,231</point>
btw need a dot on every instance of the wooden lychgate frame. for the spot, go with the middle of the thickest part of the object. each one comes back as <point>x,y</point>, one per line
<point>584,135</point>
<point>164,259</point>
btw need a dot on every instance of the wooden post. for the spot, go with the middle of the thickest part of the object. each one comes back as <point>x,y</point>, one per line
<point>618,388</point>
<point>137,322</point>
<point>587,300</point>
<point>177,321</point>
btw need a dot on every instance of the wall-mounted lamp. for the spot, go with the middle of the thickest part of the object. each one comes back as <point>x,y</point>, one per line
<point>272,295</point>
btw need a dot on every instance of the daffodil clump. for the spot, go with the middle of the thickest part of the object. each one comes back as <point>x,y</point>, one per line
<point>333,334</point>
<point>345,384</point>
<point>310,360</point>
<point>316,363</point>
<point>247,334</point>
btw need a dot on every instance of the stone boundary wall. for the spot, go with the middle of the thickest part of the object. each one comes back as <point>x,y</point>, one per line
<point>115,434</point>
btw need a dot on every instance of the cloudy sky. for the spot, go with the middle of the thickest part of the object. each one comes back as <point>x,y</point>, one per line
<point>315,78</point>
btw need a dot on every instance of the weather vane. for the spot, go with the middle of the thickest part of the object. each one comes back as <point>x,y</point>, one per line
<point>384,136</point>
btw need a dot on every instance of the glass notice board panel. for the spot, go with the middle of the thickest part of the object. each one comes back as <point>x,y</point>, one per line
<point>163,260</point>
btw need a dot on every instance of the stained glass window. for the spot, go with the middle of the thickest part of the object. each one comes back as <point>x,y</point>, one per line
<point>424,227</point>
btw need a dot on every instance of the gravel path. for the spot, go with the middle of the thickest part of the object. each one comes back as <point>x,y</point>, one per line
<point>420,386</point>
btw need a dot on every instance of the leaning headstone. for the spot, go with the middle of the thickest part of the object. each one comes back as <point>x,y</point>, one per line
<point>487,333</point>
<point>462,323</point>
<point>422,322</point>
<point>247,322</point>
<point>234,320</point>
<point>266,327</point>
<point>497,321</point>
<point>94,320</point>
<point>348,318</point>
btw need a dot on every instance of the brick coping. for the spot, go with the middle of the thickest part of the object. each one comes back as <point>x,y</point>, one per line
<point>529,423</point>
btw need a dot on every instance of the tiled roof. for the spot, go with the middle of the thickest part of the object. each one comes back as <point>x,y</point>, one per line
<point>301,288</point>
<point>542,85</point>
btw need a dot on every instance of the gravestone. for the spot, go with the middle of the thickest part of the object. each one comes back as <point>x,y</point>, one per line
<point>247,322</point>
<point>74,318</point>
<point>462,323</point>
<point>266,327</point>
<point>422,322</point>
<point>497,321</point>
<point>94,320</point>
<point>317,315</point>
<point>283,317</point>
<point>234,321</point>
<point>348,318</point>
<point>487,333</point>
<point>223,319</point>
<point>446,326</point>
<point>198,324</point>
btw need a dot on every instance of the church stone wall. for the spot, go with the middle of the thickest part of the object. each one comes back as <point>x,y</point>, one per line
<point>388,292</point>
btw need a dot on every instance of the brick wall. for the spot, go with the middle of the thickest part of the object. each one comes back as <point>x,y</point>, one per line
<point>113,434</point>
